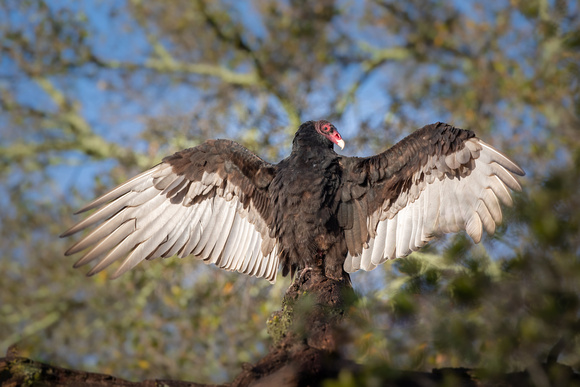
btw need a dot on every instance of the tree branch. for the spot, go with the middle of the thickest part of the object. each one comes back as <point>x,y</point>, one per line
<point>20,371</point>
<point>378,58</point>
<point>237,41</point>
<point>308,339</point>
<point>79,133</point>
<point>171,65</point>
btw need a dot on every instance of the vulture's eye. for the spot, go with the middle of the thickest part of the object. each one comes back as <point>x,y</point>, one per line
<point>326,128</point>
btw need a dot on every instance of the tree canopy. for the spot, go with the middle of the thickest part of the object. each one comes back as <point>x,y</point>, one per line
<point>93,92</point>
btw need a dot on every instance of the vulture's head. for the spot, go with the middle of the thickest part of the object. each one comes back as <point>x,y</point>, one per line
<point>318,134</point>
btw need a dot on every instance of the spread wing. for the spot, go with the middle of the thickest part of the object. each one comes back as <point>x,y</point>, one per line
<point>438,180</point>
<point>209,201</point>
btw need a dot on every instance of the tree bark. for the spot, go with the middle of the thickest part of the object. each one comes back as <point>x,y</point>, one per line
<point>20,371</point>
<point>306,335</point>
<point>306,351</point>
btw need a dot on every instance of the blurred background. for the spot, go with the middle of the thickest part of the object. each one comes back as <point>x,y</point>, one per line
<point>93,92</point>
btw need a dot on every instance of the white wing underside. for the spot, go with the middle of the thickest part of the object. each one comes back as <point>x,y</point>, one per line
<point>159,214</point>
<point>441,203</point>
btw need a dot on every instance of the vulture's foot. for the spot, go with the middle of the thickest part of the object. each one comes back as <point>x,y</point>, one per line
<point>303,272</point>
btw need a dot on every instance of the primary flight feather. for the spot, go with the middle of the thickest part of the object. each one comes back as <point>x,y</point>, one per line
<point>223,204</point>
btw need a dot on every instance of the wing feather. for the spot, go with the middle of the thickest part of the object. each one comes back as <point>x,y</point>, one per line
<point>224,233</point>
<point>104,245</point>
<point>404,230</point>
<point>490,154</point>
<point>379,243</point>
<point>492,204</point>
<point>262,267</point>
<point>203,201</point>
<point>172,227</point>
<point>178,236</point>
<point>270,273</point>
<point>505,176</point>
<point>439,180</point>
<point>194,231</point>
<point>474,227</point>
<point>485,216</point>
<point>148,235</point>
<point>243,255</point>
<point>432,216</point>
<point>366,257</point>
<point>109,227</point>
<point>232,242</point>
<point>391,245</point>
<point>252,260</point>
<point>214,228</point>
<point>420,207</point>
<point>204,227</point>
<point>355,262</point>
<point>240,248</point>
<point>135,184</point>
<point>253,247</point>
<point>500,190</point>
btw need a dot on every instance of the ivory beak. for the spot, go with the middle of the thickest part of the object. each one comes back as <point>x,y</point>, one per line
<point>340,143</point>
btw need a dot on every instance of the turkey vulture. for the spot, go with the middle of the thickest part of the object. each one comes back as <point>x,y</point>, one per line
<point>223,204</point>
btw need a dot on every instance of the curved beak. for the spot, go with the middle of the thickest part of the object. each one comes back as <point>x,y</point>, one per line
<point>340,143</point>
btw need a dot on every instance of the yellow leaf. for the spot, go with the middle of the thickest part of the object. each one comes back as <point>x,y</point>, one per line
<point>228,288</point>
<point>101,278</point>
<point>143,364</point>
<point>175,290</point>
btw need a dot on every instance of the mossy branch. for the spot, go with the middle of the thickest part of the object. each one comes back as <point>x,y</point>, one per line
<point>308,352</point>
<point>81,135</point>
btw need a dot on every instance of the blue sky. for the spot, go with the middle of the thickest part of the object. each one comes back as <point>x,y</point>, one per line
<point>119,119</point>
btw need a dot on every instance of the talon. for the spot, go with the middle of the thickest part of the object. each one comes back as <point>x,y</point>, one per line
<point>304,271</point>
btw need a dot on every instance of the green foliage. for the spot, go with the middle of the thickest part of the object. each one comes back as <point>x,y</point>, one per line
<point>108,89</point>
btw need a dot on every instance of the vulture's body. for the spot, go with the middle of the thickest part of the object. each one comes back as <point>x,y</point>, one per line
<point>225,205</point>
